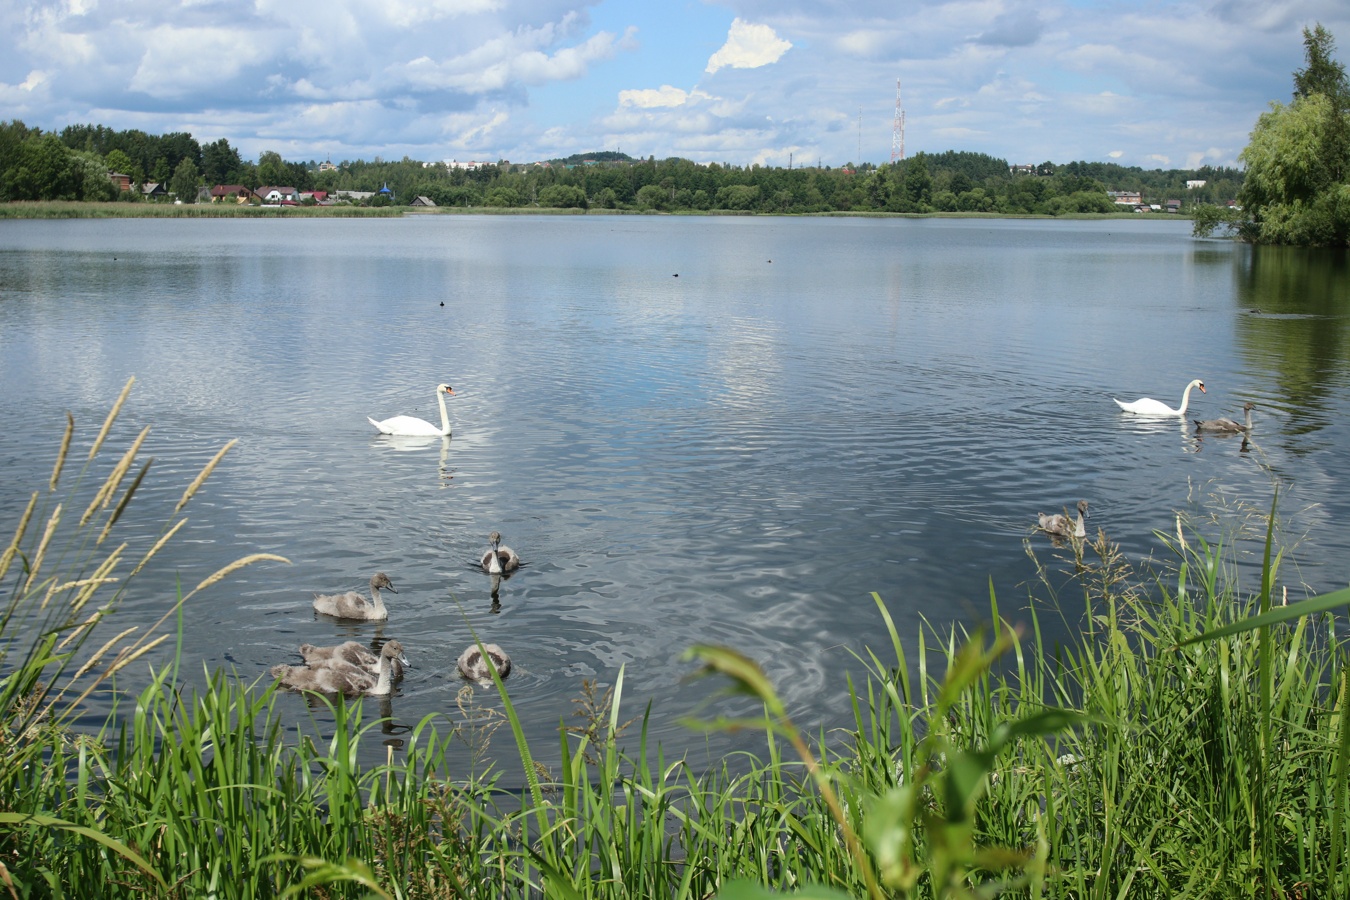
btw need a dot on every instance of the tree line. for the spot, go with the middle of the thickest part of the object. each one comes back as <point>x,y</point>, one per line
<point>73,165</point>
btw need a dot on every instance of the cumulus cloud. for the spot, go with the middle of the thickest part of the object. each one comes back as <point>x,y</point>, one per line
<point>664,96</point>
<point>748,46</point>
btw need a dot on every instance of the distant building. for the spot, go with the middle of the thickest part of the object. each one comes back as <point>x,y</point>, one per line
<point>231,193</point>
<point>420,200</point>
<point>1021,170</point>
<point>123,182</point>
<point>327,166</point>
<point>276,194</point>
<point>1192,185</point>
<point>1126,198</point>
<point>155,190</point>
<point>1173,206</point>
<point>456,164</point>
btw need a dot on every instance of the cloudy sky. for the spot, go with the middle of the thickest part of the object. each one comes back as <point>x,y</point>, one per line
<point>1152,83</point>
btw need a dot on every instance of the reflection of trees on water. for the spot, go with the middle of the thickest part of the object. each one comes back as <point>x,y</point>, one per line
<point>1296,322</point>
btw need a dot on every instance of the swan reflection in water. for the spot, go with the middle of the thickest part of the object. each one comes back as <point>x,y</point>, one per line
<point>400,443</point>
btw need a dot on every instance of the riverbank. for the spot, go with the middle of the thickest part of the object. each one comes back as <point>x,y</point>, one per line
<point>61,209</point>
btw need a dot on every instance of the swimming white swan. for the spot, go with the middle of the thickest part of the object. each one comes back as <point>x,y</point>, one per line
<point>340,677</point>
<point>352,605</point>
<point>352,652</point>
<point>473,667</point>
<point>411,425</point>
<point>499,559</point>
<point>1146,406</point>
<point>1061,525</point>
<point>1228,426</point>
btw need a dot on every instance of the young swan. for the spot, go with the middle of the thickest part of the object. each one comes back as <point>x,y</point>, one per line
<point>352,605</point>
<point>340,677</point>
<point>473,667</point>
<point>1062,526</point>
<point>352,652</point>
<point>1228,426</point>
<point>499,559</point>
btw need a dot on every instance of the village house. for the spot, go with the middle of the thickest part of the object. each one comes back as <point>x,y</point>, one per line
<point>1126,198</point>
<point>123,182</point>
<point>236,193</point>
<point>272,193</point>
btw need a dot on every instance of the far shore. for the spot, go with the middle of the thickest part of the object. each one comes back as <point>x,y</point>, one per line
<point>63,209</point>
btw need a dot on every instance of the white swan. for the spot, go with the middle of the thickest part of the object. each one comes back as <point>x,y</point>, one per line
<point>1228,426</point>
<point>473,666</point>
<point>352,605</point>
<point>340,677</point>
<point>411,425</point>
<point>1146,406</point>
<point>351,652</point>
<point>1061,525</point>
<point>499,559</point>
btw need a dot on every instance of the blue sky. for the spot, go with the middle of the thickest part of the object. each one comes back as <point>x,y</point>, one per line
<point>1151,83</point>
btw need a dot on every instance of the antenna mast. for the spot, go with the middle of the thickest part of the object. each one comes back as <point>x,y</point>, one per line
<point>898,130</point>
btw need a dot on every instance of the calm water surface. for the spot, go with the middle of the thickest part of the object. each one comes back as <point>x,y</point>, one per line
<point>692,429</point>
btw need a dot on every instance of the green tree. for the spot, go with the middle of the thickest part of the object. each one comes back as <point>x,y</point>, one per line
<point>43,171</point>
<point>185,180</point>
<point>1296,189</point>
<point>272,170</point>
<point>562,196</point>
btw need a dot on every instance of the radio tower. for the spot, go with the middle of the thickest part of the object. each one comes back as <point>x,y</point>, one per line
<point>898,130</point>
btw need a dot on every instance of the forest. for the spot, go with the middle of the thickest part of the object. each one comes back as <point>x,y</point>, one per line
<point>73,164</point>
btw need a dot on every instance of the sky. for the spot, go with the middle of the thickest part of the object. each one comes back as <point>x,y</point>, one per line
<point>1145,83</point>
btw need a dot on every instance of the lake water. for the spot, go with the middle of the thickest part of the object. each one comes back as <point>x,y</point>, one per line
<point>723,430</point>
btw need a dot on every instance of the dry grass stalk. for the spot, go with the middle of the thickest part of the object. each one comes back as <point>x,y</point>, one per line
<point>122,504</point>
<point>42,547</point>
<point>61,454</point>
<point>159,544</point>
<point>101,576</point>
<point>104,495</point>
<point>234,567</point>
<point>101,651</point>
<point>112,417</point>
<point>13,547</point>
<point>79,629</point>
<point>204,474</point>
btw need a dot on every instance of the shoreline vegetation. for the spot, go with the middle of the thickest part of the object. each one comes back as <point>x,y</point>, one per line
<point>1193,741</point>
<point>77,209</point>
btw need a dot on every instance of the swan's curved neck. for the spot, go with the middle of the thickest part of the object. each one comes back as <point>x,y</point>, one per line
<point>386,667</point>
<point>445,416</point>
<point>1185,400</point>
<point>375,599</point>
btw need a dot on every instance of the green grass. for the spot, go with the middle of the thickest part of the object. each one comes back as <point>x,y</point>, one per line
<point>1192,743</point>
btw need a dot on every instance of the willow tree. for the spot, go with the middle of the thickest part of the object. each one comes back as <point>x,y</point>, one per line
<point>1297,185</point>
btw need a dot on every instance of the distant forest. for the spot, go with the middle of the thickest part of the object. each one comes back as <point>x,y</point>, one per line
<point>73,164</point>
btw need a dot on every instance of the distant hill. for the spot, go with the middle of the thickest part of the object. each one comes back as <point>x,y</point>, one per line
<point>598,156</point>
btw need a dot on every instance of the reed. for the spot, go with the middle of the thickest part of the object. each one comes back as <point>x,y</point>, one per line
<point>1191,743</point>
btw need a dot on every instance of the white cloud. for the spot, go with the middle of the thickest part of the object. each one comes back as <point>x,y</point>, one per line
<point>748,46</point>
<point>1116,154</point>
<point>665,96</point>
